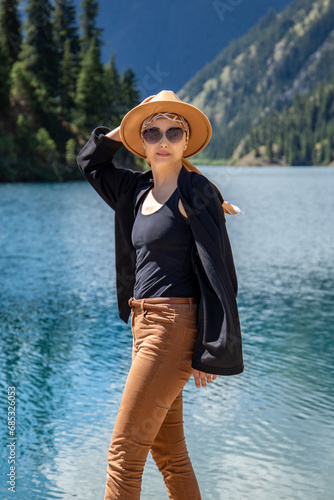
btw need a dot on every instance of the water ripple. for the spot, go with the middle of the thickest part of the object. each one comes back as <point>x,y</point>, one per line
<point>266,434</point>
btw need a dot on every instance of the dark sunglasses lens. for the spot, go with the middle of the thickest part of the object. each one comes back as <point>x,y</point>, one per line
<point>174,134</point>
<point>152,135</point>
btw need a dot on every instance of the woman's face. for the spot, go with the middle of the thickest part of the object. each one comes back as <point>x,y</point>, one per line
<point>164,151</point>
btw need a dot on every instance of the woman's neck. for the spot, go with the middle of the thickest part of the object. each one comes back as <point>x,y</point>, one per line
<point>165,176</point>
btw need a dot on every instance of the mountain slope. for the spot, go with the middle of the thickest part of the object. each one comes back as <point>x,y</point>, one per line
<point>167,42</point>
<point>285,53</point>
<point>300,134</point>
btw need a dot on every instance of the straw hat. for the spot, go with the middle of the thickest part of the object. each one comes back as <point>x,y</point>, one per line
<point>165,102</point>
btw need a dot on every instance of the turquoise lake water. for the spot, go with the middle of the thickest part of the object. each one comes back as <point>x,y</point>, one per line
<point>267,434</point>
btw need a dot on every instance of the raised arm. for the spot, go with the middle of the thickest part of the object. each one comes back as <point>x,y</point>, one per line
<point>114,134</point>
<point>95,163</point>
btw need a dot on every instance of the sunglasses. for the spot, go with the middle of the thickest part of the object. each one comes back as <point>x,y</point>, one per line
<point>154,135</point>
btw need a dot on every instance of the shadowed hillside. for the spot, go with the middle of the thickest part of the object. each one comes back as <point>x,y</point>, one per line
<point>285,55</point>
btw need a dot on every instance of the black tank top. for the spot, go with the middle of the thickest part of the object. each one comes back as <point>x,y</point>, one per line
<point>164,242</point>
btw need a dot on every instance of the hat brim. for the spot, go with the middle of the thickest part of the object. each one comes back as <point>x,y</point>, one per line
<point>200,127</point>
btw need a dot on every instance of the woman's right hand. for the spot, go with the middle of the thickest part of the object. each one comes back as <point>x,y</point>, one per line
<point>114,134</point>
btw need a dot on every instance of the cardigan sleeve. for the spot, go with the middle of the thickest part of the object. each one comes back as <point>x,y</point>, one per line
<point>95,163</point>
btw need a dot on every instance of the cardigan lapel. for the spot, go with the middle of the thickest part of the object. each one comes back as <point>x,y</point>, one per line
<point>140,193</point>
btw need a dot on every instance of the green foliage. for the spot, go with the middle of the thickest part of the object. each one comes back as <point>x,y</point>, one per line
<point>269,150</point>
<point>130,96</point>
<point>65,27</point>
<point>71,152</point>
<point>56,92</point>
<point>21,89</point>
<point>4,78</point>
<point>121,93</point>
<point>39,54</point>
<point>7,147</point>
<point>68,47</point>
<point>262,71</point>
<point>89,11</point>
<point>7,157</point>
<point>303,133</point>
<point>10,28</point>
<point>90,91</point>
<point>26,139</point>
<point>46,152</point>
<point>114,109</point>
<point>67,83</point>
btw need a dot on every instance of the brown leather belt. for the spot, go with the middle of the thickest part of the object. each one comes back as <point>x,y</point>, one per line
<point>157,302</point>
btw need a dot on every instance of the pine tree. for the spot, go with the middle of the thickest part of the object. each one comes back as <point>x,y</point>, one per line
<point>65,27</point>
<point>327,151</point>
<point>89,31</point>
<point>294,150</point>
<point>10,27</point>
<point>130,95</point>
<point>327,108</point>
<point>90,93</point>
<point>269,150</point>
<point>280,149</point>
<point>306,148</point>
<point>67,83</point>
<point>68,48</point>
<point>39,55</point>
<point>4,78</point>
<point>113,107</point>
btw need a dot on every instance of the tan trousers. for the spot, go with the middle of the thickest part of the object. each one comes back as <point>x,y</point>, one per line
<point>150,417</point>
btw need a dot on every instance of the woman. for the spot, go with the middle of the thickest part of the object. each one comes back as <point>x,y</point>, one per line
<point>175,274</point>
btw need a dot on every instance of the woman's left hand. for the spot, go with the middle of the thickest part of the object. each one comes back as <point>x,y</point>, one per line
<point>204,378</point>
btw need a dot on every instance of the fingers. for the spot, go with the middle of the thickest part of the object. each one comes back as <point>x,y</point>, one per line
<point>196,378</point>
<point>203,378</point>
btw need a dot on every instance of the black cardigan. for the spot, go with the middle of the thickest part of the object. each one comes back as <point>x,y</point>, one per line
<point>218,348</point>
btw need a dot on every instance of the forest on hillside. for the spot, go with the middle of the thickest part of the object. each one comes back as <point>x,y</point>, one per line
<point>273,89</point>
<point>269,94</point>
<point>300,134</point>
<point>170,62</point>
<point>54,88</point>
